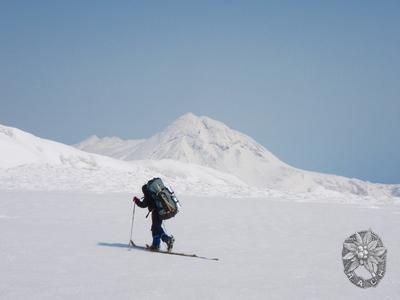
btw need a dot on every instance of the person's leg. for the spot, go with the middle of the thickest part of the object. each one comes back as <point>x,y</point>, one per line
<point>168,239</point>
<point>156,230</point>
<point>156,242</point>
<point>165,238</point>
<point>159,234</point>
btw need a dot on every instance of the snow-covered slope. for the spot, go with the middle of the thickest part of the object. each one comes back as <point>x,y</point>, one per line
<point>62,245</point>
<point>193,139</point>
<point>206,142</point>
<point>29,162</point>
<point>21,148</point>
<point>110,146</point>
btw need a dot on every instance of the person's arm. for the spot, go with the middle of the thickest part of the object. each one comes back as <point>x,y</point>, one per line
<point>144,203</point>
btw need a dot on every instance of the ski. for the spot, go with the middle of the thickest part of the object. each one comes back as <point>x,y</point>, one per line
<point>146,248</point>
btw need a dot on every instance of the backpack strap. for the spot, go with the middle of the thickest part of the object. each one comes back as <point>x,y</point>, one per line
<point>148,213</point>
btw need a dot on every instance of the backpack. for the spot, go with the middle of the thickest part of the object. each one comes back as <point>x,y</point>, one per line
<point>164,198</point>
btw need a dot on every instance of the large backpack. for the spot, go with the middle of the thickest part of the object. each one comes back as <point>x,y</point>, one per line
<point>165,201</point>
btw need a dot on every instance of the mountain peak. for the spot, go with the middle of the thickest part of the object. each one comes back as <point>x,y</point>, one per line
<point>197,126</point>
<point>188,117</point>
<point>93,138</point>
<point>210,143</point>
<point>186,121</point>
<point>199,140</point>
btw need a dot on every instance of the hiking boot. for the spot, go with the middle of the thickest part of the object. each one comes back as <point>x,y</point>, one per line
<point>170,243</point>
<point>154,247</point>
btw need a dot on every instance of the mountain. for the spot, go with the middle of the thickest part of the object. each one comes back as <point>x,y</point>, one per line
<point>110,146</point>
<point>22,148</point>
<point>198,140</point>
<point>196,155</point>
<point>207,142</point>
<point>30,162</point>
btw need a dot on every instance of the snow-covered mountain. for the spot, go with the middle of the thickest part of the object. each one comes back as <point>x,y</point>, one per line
<point>22,148</point>
<point>198,140</point>
<point>110,146</point>
<point>30,162</point>
<point>206,142</point>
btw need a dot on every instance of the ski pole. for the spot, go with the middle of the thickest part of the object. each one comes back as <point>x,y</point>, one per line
<point>133,219</point>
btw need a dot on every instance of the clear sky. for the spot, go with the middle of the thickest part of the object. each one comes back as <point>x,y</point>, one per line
<point>315,82</point>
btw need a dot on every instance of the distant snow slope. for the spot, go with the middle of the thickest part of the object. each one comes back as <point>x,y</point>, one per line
<point>206,142</point>
<point>21,148</point>
<point>29,162</point>
<point>110,146</point>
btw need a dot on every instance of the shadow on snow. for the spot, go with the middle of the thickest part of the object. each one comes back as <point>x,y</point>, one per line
<point>114,245</point>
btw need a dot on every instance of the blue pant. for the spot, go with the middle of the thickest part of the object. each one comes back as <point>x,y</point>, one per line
<point>157,230</point>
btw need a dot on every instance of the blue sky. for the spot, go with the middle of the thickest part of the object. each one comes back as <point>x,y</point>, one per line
<point>318,84</point>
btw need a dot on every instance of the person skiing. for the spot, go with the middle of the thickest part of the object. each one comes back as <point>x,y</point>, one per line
<point>157,231</point>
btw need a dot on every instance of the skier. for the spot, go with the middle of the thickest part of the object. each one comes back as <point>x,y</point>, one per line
<point>156,227</point>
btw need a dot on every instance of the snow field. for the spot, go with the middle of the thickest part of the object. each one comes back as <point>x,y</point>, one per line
<point>66,245</point>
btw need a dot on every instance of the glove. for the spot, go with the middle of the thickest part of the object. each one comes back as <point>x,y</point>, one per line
<point>135,199</point>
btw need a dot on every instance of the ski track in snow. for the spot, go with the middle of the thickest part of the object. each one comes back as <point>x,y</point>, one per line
<point>73,245</point>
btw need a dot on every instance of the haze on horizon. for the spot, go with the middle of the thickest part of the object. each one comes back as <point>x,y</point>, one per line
<point>318,84</point>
